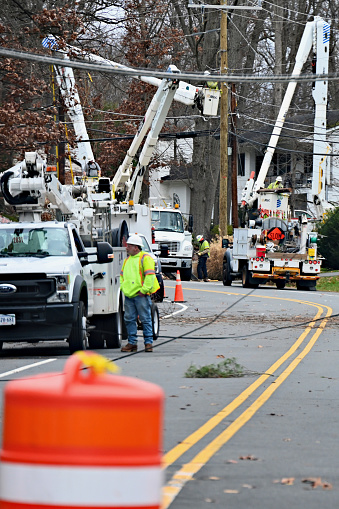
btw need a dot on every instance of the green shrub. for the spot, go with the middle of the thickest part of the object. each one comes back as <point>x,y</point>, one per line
<point>328,242</point>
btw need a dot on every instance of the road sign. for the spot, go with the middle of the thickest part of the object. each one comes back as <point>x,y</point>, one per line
<point>275,234</point>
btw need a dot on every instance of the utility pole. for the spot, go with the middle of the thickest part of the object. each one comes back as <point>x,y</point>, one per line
<point>223,125</point>
<point>223,205</point>
<point>234,164</point>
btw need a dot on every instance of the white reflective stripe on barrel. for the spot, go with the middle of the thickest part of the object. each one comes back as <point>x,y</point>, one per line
<point>80,486</point>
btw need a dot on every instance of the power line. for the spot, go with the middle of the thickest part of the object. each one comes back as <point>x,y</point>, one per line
<point>137,73</point>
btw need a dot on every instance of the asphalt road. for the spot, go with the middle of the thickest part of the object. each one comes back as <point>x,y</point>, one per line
<point>266,439</point>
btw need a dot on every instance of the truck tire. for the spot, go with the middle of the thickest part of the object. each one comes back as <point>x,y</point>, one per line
<point>78,337</point>
<point>306,287</point>
<point>114,329</point>
<point>246,279</point>
<point>155,321</point>
<point>280,284</point>
<point>226,274</point>
<point>185,274</point>
<point>96,339</point>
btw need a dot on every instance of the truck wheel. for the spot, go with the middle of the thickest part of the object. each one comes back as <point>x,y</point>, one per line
<point>185,274</point>
<point>280,284</point>
<point>78,337</point>
<point>246,279</point>
<point>306,287</point>
<point>155,321</point>
<point>96,339</point>
<point>226,276</point>
<point>114,329</point>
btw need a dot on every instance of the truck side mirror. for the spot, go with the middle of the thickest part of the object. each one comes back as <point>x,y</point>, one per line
<point>83,257</point>
<point>225,243</point>
<point>190,223</point>
<point>104,252</point>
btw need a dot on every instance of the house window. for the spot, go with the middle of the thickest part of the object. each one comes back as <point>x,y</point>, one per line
<point>241,165</point>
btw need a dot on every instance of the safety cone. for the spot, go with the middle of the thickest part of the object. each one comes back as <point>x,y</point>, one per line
<point>179,296</point>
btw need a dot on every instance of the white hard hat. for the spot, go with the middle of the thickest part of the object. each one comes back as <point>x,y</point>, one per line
<point>135,240</point>
<point>200,237</point>
<point>279,179</point>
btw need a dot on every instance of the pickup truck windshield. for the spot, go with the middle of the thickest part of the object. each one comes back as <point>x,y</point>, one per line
<point>39,242</point>
<point>166,220</point>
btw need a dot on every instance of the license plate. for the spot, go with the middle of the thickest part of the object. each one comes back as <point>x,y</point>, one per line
<point>7,320</point>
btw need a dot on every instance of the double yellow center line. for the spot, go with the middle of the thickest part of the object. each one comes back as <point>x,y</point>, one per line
<point>188,470</point>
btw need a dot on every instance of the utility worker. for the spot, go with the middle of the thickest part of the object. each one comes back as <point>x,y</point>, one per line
<point>210,84</point>
<point>277,184</point>
<point>137,282</point>
<point>203,254</point>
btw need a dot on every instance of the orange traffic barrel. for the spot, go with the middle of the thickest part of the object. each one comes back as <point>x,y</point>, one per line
<point>81,439</point>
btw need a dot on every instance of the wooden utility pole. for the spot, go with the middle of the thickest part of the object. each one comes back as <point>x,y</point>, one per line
<point>234,165</point>
<point>223,125</point>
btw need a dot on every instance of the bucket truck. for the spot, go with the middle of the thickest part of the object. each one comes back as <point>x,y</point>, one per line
<point>173,243</point>
<point>271,246</point>
<point>51,285</point>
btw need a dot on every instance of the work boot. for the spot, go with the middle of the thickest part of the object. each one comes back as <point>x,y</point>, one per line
<point>129,348</point>
<point>149,347</point>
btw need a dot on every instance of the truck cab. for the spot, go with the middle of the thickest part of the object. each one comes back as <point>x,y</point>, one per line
<point>169,230</point>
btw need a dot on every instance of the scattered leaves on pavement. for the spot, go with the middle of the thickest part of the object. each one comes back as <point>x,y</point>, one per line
<point>316,482</point>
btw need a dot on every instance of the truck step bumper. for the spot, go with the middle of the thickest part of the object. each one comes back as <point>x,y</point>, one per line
<point>291,277</point>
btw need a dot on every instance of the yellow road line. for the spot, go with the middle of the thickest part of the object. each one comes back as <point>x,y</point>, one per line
<point>197,435</point>
<point>188,470</point>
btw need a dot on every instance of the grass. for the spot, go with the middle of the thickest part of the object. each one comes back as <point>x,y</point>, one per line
<point>228,368</point>
<point>328,284</point>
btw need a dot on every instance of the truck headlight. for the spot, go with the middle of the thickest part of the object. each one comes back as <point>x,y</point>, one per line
<point>62,288</point>
<point>188,248</point>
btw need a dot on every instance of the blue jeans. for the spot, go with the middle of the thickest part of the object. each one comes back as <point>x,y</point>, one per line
<point>134,307</point>
<point>202,269</point>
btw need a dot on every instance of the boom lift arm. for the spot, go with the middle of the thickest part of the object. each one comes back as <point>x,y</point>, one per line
<point>316,34</point>
<point>127,180</point>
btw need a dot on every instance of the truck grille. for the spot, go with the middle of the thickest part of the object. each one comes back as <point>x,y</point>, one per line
<point>173,247</point>
<point>31,288</point>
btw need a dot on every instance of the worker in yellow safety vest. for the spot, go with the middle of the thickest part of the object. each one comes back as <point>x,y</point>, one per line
<point>203,254</point>
<point>277,184</point>
<point>137,282</point>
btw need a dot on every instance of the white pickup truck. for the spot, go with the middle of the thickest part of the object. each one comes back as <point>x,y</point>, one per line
<point>51,286</point>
